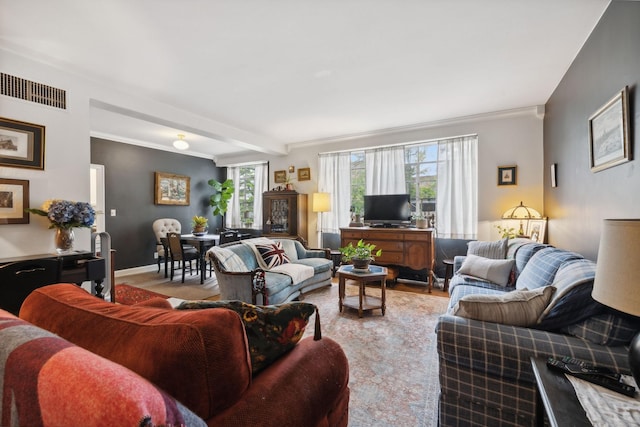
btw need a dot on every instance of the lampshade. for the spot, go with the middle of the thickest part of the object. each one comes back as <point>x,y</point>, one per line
<point>521,212</point>
<point>321,202</point>
<point>180,143</point>
<point>618,270</point>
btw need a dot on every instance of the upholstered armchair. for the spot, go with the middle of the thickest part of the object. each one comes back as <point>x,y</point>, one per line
<point>161,227</point>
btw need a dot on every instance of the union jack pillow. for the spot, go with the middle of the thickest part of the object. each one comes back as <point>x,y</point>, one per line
<point>272,254</point>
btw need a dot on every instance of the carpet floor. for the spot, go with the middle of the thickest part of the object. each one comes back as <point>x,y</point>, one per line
<point>191,289</point>
<point>393,361</point>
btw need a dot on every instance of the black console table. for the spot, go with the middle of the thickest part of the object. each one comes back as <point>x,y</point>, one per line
<point>75,267</point>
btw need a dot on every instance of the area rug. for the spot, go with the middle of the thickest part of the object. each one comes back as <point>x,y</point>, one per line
<point>393,361</point>
<point>191,289</point>
<point>130,295</point>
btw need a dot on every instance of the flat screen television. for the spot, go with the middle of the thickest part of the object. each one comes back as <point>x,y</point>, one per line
<point>387,210</point>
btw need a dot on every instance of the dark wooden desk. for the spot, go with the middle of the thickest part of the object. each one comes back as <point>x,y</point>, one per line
<point>556,398</point>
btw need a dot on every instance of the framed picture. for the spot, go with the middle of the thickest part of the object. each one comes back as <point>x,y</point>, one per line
<point>21,144</point>
<point>609,133</point>
<point>304,174</point>
<point>507,175</point>
<point>536,229</point>
<point>14,199</point>
<point>172,189</point>
<point>280,177</point>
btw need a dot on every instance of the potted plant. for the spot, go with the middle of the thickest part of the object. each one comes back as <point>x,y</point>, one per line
<point>421,220</point>
<point>199,224</point>
<point>220,200</point>
<point>360,255</point>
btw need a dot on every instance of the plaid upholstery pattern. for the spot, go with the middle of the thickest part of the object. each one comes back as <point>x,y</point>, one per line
<point>485,371</point>
<point>606,329</point>
<point>542,267</point>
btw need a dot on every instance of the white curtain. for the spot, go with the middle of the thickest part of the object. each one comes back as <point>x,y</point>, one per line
<point>384,171</point>
<point>335,178</point>
<point>260,185</point>
<point>232,218</point>
<point>457,199</point>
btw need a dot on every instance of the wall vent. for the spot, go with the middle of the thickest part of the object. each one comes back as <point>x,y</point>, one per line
<point>31,91</point>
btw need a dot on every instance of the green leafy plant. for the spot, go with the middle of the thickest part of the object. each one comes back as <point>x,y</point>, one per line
<point>220,200</point>
<point>361,250</point>
<point>509,233</point>
<point>199,221</point>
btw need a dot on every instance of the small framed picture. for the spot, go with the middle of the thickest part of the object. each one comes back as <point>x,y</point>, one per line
<point>172,189</point>
<point>507,175</point>
<point>21,144</point>
<point>14,199</point>
<point>304,174</point>
<point>536,229</point>
<point>280,177</point>
<point>609,133</point>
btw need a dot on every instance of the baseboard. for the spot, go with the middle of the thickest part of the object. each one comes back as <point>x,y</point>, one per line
<point>136,270</point>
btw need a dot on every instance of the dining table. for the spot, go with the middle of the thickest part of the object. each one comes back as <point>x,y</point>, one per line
<point>201,242</point>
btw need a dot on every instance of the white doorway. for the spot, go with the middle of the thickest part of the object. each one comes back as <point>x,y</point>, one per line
<point>96,178</point>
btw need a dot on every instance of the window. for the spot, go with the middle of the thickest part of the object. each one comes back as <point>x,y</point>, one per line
<point>250,181</point>
<point>246,195</point>
<point>421,173</point>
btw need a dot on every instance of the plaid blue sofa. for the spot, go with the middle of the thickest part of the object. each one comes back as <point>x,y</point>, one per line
<point>484,368</point>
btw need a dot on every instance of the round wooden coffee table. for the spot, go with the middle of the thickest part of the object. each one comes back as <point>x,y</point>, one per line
<point>362,302</point>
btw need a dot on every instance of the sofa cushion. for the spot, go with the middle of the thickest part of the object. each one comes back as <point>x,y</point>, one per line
<point>610,329</point>
<point>320,265</point>
<point>228,259</point>
<point>542,267</point>
<point>572,301</point>
<point>524,253</point>
<point>59,373</point>
<point>271,330</point>
<point>517,308</point>
<point>493,250</point>
<point>186,353</point>
<point>493,270</point>
<point>271,255</point>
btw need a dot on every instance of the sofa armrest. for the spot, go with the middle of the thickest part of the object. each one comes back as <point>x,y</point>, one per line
<point>505,351</point>
<point>307,386</point>
<point>457,262</point>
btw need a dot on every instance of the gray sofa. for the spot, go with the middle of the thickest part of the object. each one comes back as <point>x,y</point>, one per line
<point>484,367</point>
<point>242,273</point>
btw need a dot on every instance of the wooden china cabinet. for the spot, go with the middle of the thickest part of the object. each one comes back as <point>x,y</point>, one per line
<point>284,214</point>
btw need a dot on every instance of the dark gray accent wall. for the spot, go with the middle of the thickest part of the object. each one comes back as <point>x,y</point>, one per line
<point>129,186</point>
<point>609,60</point>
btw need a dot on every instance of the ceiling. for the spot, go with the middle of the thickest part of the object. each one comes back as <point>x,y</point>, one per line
<point>281,72</point>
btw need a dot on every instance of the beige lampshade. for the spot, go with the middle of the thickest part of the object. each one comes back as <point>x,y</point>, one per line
<point>617,282</point>
<point>321,202</point>
<point>521,212</point>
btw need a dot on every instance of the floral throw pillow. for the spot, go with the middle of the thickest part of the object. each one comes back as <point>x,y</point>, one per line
<point>272,330</point>
<point>272,254</point>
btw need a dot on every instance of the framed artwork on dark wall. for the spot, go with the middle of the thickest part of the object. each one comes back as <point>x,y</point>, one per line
<point>507,175</point>
<point>21,144</point>
<point>14,199</point>
<point>171,189</point>
<point>609,133</point>
<point>280,177</point>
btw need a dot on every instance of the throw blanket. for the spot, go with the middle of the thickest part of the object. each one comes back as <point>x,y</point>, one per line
<point>276,262</point>
<point>297,272</point>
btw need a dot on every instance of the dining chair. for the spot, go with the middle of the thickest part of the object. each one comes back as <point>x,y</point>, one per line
<point>182,254</point>
<point>18,279</point>
<point>161,227</point>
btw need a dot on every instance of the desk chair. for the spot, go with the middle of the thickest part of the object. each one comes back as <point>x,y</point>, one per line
<point>182,254</point>
<point>19,279</point>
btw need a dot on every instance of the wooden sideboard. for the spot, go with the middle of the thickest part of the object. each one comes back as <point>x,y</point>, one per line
<point>404,247</point>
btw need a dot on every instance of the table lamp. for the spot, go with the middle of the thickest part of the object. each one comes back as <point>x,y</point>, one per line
<point>320,202</point>
<point>618,273</point>
<point>521,212</point>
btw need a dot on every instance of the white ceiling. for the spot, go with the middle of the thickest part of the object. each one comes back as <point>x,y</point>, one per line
<point>291,71</point>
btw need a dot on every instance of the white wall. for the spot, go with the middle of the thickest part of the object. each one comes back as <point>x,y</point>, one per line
<point>66,159</point>
<point>505,139</point>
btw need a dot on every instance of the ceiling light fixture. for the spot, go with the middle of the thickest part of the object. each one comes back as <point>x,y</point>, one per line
<point>180,143</point>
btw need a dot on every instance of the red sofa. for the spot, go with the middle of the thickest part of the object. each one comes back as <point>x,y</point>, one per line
<point>199,358</point>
